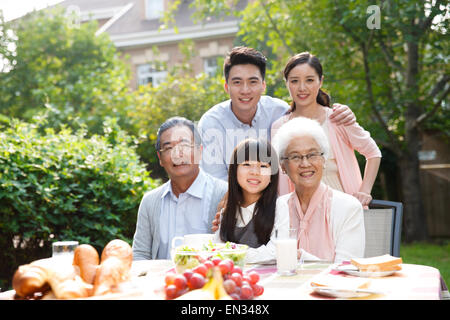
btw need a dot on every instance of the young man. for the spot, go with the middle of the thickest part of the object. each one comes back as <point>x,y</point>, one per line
<point>247,114</point>
<point>186,203</point>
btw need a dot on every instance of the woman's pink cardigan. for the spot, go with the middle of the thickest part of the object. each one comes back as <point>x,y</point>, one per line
<point>343,140</point>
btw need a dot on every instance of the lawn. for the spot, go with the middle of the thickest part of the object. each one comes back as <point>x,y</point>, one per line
<point>434,255</point>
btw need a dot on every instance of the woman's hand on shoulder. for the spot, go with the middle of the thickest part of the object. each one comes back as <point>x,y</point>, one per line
<point>342,115</point>
<point>364,198</point>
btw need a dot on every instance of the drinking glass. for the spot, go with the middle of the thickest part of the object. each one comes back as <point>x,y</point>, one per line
<point>286,249</point>
<point>64,250</point>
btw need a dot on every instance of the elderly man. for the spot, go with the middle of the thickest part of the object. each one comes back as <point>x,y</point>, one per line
<point>186,203</point>
<point>248,113</point>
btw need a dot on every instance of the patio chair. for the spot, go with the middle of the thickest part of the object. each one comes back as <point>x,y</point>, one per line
<point>383,224</point>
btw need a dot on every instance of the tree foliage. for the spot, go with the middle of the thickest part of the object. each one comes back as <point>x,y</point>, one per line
<point>65,186</point>
<point>62,69</point>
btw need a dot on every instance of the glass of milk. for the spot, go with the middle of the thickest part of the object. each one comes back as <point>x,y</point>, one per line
<point>63,251</point>
<point>286,249</point>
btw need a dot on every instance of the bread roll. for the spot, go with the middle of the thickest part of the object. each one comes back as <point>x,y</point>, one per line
<point>114,268</point>
<point>111,272</point>
<point>87,260</point>
<point>120,249</point>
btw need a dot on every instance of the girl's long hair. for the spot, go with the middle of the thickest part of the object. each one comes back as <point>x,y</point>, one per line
<point>264,212</point>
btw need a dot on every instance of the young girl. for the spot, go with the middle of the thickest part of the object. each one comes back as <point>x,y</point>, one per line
<point>252,214</point>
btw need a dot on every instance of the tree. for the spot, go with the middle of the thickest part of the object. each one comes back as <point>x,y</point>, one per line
<point>394,77</point>
<point>62,69</point>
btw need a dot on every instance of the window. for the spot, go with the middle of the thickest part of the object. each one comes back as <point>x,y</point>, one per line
<point>154,9</point>
<point>147,73</point>
<point>210,66</point>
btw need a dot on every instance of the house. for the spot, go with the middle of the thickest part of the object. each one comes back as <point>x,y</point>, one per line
<point>134,28</point>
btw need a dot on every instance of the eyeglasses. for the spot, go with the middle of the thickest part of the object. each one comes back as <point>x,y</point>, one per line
<point>183,146</point>
<point>310,157</point>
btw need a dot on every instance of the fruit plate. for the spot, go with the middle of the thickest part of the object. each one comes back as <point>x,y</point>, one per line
<point>211,280</point>
<point>354,271</point>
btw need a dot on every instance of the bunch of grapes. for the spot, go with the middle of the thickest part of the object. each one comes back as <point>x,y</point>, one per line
<point>238,285</point>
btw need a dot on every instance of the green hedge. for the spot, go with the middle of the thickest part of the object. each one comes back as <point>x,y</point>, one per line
<point>65,186</point>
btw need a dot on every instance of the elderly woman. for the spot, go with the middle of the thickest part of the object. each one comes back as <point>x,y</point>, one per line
<point>329,222</point>
<point>304,78</point>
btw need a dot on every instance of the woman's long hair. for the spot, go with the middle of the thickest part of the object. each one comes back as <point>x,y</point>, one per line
<point>264,212</point>
<point>305,57</point>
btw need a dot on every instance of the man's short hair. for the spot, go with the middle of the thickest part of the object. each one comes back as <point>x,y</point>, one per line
<point>244,55</point>
<point>178,121</point>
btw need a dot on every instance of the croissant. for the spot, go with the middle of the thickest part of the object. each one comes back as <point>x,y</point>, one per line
<point>44,273</point>
<point>31,278</point>
<point>68,285</point>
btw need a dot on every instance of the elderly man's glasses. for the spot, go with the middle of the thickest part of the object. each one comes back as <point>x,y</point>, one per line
<point>310,157</point>
<point>183,146</point>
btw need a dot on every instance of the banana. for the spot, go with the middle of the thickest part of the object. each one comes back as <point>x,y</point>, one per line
<point>220,293</point>
<point>212,290</point>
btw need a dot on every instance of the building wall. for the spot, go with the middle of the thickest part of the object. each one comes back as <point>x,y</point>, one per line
<point>171,55</point>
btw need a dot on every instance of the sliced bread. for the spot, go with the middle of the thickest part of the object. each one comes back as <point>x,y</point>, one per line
<point>379,263</point>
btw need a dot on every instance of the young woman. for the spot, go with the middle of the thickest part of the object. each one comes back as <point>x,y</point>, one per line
<point>252,214</point>
<point>304,78</point>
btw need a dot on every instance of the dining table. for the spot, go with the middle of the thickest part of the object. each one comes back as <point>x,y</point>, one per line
<point>412,282</point>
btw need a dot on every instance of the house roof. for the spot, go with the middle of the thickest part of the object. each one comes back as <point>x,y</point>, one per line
<point>128,27</point>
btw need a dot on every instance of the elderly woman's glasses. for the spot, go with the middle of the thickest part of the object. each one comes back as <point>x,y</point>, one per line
<point>310,157</point>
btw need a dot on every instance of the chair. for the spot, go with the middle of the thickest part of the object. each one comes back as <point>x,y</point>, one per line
<point>383,224</point>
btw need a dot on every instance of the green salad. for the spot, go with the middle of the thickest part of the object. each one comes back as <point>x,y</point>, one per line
<point>186,257</point>
<point>230,250</point>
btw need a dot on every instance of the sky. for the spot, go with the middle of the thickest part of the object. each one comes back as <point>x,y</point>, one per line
<point>13,9</point>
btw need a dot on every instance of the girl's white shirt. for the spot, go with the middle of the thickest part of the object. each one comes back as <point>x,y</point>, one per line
<point>265,252</point>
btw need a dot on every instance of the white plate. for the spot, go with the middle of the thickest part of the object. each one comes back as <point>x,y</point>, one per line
<point>354,271</point>
<point>342,293</point>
